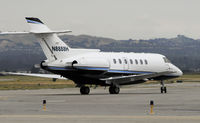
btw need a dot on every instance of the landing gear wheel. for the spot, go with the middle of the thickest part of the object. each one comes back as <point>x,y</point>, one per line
<point>111,90</point>
<point>84,90</point>
<point>163,89</point>
<point>114,90</point>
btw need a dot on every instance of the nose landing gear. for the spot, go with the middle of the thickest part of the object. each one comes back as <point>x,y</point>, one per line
<point>163,89</point>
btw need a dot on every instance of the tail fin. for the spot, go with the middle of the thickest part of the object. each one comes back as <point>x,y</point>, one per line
<point>53,47</point>
<point>36,25</point>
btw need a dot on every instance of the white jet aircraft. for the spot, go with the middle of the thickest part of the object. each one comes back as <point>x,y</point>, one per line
<point>93,67</point>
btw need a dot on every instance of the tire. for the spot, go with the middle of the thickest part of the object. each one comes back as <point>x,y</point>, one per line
<point>111,90</point>
<point>165,89</point>
<point>161,89</point>
<point>114,90</point>
<point>84,90</point>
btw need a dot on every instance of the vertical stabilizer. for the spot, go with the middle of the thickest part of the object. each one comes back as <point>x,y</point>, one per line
<point>54,48</point>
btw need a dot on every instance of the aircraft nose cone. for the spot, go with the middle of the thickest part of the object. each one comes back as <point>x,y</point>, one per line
<point>179,72</point>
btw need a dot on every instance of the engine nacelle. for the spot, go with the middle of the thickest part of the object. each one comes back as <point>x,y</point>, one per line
<point>91,63</point>
<point>74,62</point>
<point>43,64</point>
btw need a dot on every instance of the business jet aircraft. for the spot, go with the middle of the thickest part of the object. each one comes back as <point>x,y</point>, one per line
<point>93,67</point>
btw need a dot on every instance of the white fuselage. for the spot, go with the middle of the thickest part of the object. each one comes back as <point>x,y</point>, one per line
<point>127,63</point>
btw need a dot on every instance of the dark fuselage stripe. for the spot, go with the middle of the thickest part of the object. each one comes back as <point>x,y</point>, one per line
<point>92,68</point>
<point>108,70</point>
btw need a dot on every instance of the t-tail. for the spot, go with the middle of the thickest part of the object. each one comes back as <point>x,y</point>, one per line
<point>54,48</point>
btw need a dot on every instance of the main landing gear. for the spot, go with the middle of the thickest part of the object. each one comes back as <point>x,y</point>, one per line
<point>114,90</point>
<point>84,90</point>
<point>163,89</point>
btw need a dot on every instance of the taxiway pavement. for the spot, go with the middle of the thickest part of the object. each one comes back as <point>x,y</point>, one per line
<point>180,104</point>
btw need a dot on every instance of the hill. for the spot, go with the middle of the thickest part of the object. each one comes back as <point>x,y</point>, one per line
<point>22,52</point>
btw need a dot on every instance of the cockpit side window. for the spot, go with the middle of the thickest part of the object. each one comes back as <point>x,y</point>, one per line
<point>166,60</point>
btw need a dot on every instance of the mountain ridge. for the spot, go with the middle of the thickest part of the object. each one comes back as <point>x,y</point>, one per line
<point>22,52</point>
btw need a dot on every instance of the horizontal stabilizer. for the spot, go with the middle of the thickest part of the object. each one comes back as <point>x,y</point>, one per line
<point>14,33</point>
<point>51,32</point>
<point>46,32</point>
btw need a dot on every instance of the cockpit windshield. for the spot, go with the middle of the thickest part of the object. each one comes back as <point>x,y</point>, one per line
<point>166,60</point>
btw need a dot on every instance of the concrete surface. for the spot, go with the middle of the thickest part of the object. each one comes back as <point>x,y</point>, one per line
<point>180,104</point>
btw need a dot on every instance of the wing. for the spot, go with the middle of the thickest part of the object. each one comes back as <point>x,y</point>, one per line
<point>126,79</point>
<point>53,76</point>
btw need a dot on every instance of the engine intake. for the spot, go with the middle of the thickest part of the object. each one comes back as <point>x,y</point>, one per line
<point>74,62</point>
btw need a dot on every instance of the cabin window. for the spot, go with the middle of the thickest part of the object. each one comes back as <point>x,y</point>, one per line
<point>131,61</point>
<point>114,61</point>
<point>136,61</point>
<point>146,62</point>
<point>125,61</point>
<point>120,61</point>
<point>141,62</point>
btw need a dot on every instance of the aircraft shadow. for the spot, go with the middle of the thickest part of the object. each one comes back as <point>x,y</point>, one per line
<point>98,94</point>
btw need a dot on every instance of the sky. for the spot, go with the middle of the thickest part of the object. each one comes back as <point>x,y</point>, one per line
<point>118,19</point>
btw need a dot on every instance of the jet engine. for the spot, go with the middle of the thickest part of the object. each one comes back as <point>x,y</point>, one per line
<point>98,63</point>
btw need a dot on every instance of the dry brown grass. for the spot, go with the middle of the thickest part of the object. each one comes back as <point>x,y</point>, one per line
<point>27,82</point>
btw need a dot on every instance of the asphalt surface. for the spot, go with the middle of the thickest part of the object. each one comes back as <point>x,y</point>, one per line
<point>180,104</point>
